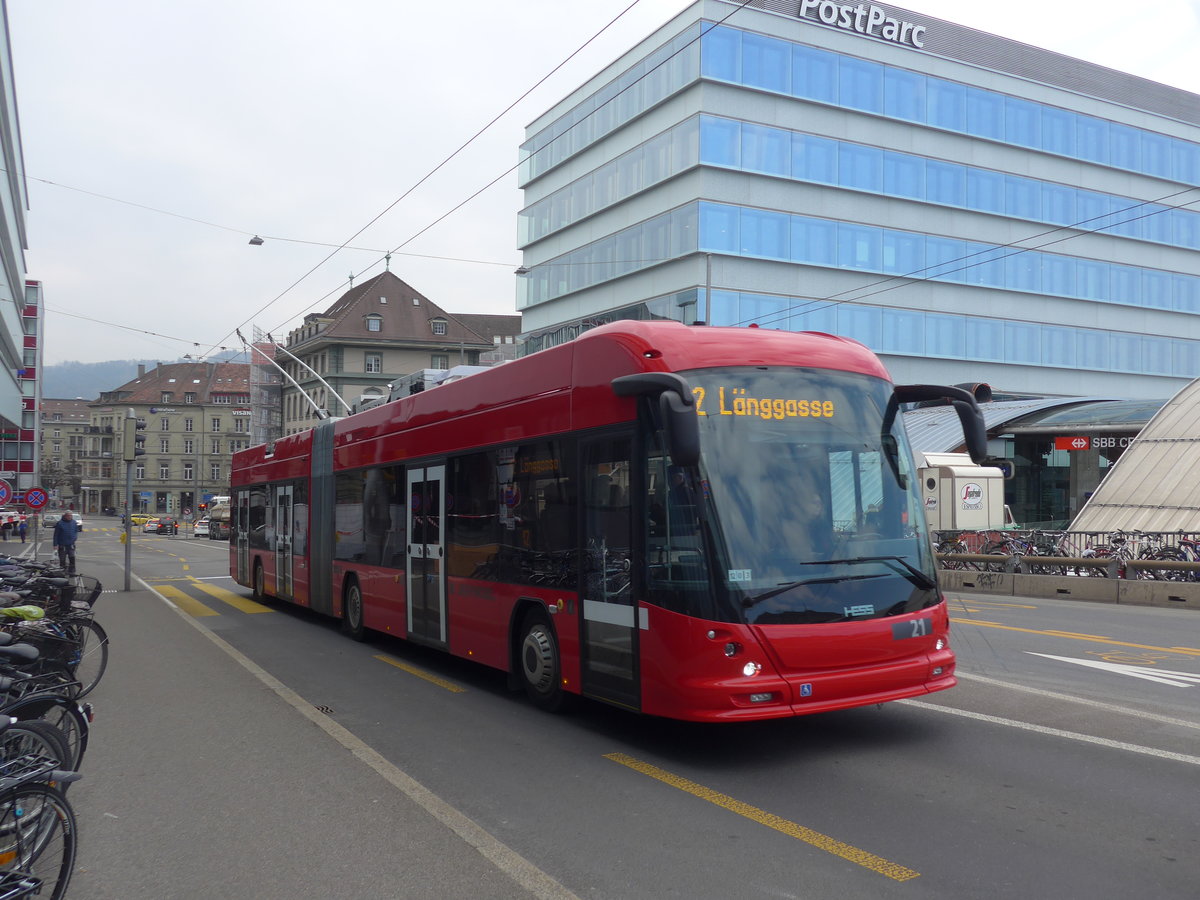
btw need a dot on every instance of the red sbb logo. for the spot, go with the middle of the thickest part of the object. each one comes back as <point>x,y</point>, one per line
<point>1072,443</point>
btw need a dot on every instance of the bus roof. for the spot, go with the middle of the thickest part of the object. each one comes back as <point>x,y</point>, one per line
<point>562,388</point>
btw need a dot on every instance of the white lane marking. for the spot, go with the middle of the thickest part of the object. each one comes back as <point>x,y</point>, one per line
<point>1161,676</point>
<point>540,884</point>
<point>1057,732</point>
<point>1082,701</point>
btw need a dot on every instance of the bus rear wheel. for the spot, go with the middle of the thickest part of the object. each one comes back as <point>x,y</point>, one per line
<point>539,662</point>
<point>352,611</point>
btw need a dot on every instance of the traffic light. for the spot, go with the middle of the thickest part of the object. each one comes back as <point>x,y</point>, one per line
<point>134,443</point>
<point>203,507</point>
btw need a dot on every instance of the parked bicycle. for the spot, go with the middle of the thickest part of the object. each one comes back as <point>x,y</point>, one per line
<point>37,824</point>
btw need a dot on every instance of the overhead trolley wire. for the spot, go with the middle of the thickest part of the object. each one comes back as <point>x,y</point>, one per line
<point>565,132</point>
<point>432,172</point>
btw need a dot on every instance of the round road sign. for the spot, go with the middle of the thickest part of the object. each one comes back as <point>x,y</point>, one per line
<point>35,498</point>
<point>5,492</point>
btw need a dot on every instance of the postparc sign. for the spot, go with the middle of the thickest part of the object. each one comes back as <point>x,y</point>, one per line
<point>870,20</point>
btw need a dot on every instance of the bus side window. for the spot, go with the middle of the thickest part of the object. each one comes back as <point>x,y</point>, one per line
<point>607,519</point>
<point>557,522</point>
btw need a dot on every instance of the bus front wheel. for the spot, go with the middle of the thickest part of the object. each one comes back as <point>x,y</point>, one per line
<point>539,663</point>
<point>352,611</point>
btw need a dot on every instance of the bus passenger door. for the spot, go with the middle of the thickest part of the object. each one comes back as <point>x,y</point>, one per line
<point>283,541</point>
<point>239,515</point>
<point>426,554</point>
<point>610,613</point>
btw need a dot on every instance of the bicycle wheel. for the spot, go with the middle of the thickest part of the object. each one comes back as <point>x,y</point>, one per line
<point>90,657</point>
<point>33,738</point>
<point>38,837</point>
<point>61,712</point>
<point>951,547</point>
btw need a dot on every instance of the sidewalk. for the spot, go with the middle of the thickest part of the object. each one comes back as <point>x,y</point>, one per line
<point>202,780</point>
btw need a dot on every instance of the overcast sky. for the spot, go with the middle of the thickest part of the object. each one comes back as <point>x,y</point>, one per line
<point>159,135</point>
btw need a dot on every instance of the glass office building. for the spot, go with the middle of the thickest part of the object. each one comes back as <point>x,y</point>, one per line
<point>971,208</point>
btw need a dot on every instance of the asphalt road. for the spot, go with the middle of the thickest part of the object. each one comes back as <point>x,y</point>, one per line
<point>1064,765</point>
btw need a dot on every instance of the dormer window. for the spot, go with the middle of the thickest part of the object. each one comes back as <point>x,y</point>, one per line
<point>165,397</point>
<point>374,323</point>
<point>439,326</point>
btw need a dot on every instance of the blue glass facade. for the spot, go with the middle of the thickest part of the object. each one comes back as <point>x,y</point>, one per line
<point>751,60</point>
<point>768,150</point>
<point>739,57</point>
<point>706,227</point>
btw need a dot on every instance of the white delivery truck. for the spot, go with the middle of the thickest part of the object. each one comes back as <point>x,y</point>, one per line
<point>961,496</point>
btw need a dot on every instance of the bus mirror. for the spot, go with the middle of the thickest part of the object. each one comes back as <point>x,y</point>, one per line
<point>682,427</point>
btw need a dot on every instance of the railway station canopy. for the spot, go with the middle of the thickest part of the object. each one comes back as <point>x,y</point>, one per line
<point>1155,485</point>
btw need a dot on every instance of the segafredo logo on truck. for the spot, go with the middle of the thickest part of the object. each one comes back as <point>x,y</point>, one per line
<point>865,20</point>
<point>972,496</point>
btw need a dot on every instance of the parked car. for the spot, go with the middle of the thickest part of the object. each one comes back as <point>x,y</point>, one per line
<point>161,525</point>
<point>200,529</point>
<point>140,518</point>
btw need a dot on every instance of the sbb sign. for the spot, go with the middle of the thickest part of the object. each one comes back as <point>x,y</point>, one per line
<point>1091,443</point>
<point>865,20</point>
<point>1108,443</point>
<point>1072,443</point>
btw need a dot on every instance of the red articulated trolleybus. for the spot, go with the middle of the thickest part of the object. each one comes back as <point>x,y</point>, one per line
<point>712,524</point>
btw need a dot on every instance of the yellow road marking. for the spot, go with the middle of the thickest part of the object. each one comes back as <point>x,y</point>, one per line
<point>991,604</point>
<point>421,673</point>
<point>237,601</point>
<point>1094,638</point>
<point>859,857</point>
<point>184,602</point>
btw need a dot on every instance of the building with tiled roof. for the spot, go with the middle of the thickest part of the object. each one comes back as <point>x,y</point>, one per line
<point>196,415</point>
<point>375,334</point>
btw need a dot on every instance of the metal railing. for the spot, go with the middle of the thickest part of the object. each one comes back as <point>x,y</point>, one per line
<point>1158,556</point>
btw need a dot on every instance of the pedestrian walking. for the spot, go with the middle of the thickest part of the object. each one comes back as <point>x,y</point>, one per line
<point>22,528</point>
<point>66,532</point>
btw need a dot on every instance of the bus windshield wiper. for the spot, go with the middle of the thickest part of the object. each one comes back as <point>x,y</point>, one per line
<point>911,572</point>
<point>788,585</point>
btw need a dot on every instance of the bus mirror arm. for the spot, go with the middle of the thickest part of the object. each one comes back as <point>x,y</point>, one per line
<point>969,414</point>
<point>974,430</point>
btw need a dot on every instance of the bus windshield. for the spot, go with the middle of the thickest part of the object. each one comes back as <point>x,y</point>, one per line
<point>803,509</point>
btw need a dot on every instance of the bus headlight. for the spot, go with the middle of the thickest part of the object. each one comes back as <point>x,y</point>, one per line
<point>940,644</point>
<point>751,668</point>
